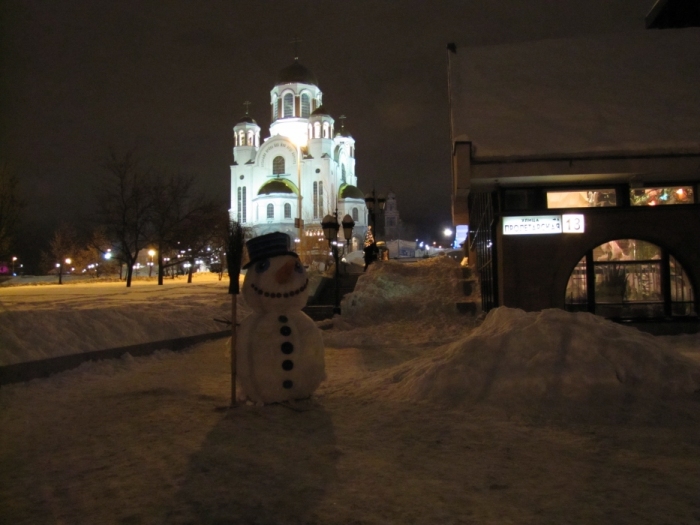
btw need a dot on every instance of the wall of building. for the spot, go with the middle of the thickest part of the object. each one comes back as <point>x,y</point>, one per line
<point>533,270</point>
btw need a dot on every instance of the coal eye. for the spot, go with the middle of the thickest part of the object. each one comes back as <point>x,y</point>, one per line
<point>262,266</point>
<point>298,267</point>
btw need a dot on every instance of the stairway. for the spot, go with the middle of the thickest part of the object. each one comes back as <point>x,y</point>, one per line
<point>469,284</point>
<point>320,305</point>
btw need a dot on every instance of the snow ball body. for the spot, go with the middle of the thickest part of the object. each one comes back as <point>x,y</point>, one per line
<point>280,350</point>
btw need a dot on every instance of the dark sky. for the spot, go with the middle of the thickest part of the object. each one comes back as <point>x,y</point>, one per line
<point>169,79</point>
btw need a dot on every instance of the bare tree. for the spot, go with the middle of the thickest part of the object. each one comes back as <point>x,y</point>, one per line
<point>176,210</point>
<point>10,207</point>
<point>125,207</point>
<point>62,248</point>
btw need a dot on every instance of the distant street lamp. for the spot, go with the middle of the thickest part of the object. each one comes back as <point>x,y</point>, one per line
<point>151,253</point>
<point>60,269</point>
<point>14,259</point>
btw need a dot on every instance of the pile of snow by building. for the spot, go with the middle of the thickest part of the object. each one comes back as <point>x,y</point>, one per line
<point>406,303</point>
<point>540,361</point>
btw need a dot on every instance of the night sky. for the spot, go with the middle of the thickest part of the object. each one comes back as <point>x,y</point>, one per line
<point>169,79</point>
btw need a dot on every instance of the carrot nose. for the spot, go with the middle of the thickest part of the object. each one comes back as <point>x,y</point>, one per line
<point>283,274</point>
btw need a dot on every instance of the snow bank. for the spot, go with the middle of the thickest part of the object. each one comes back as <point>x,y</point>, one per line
<point>399,304</point>
<point>52,320</point>
<point>537,360</point>
<point>392,290</point>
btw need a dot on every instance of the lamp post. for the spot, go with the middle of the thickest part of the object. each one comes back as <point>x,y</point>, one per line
<point>60,269</point>
<point>151,253</point>
<point>14,259</point>
<point>375,203</point>
<point>330,232</point>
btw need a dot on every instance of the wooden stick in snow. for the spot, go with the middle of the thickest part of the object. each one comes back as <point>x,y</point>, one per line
<point>234,255</point>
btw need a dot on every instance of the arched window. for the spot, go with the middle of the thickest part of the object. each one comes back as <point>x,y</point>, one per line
<point>318,200</point>
<point>275,108</point>
<point>355,214</point>
<point>342,177</point>
<point>625,278</point>
<point>241,205</point>
<point>305,105</point>
<point>241,138</point>
<point>317,130</point>
<point>288,105</point>
<point>251,138</point>
<point>287,210</point>
<point>278,165</point>
<point>325,130</point>
<point>270,211</point>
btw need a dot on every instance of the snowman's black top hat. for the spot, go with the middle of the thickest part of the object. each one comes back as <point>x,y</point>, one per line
<point>268,245</point>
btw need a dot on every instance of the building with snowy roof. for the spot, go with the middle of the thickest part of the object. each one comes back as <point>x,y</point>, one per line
<point>576,164</point>
<point>302,172</point>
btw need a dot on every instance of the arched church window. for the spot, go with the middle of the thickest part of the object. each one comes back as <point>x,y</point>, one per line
<point>342,177</point>
<point>288,102</point>
<point>270,211</point>
<point>241,138</point>
<point>275,108</point>
<point>251,138</point>
<point>305,105</point>
<point>317,130</point>
<point>241,205</point>
<point>287,210</point>
<point>318,199</point>
<point>325,130</point>
<point>355,214</point>
<point>278,165</point>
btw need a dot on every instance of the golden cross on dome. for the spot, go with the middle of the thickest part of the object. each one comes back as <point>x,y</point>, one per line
<point>295,42</point>
<point>342,121</point>
<point>247,106</point>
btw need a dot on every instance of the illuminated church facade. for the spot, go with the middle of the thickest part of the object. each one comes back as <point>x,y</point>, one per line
<point>304,170</point>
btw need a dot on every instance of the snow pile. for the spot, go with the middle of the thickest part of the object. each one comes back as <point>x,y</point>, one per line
<point>392,290</point>
<point>405,305</point>
<point>541,359</point>
<point>52,320</point>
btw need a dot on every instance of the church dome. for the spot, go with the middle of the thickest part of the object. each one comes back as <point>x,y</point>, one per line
<point>277,186</point>
<point>319,111</point>
<point>246,119</point>
<point>296,73</point>
<point>348,191</point>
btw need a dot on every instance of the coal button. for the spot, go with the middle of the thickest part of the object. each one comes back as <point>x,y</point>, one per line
<point>287,384</point>
<point>285,330</point>
<point>282,318</point>
<point>287,347</point>
<point>287,364</point>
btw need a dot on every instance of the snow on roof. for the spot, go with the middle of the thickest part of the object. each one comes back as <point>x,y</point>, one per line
<point>630,91</point>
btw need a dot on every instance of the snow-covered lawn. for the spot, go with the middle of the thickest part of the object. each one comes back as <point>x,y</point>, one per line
<point>426,417</point>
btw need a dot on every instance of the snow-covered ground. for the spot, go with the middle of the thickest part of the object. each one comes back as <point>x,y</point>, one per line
<point>426,417</point>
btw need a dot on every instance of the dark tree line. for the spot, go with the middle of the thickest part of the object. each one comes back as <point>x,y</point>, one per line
<point>10,208</point>
<point>139,207</point>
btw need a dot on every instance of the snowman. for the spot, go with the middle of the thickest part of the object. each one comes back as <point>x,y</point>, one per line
<point>280,349</point>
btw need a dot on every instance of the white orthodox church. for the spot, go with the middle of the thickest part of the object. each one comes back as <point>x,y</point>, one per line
<point>302,172</point>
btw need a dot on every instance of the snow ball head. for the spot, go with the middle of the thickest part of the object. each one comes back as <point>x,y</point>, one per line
<point>276,280</point>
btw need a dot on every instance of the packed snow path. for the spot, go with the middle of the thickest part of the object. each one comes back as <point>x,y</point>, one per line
<point>140,441</point>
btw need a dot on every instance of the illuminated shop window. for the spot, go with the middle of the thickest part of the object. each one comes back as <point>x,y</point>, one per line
<point>661,196</point>
<point>625,279</point>
<point>581,199</point>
